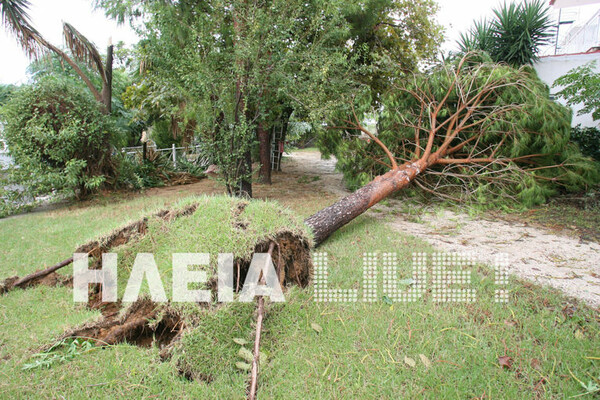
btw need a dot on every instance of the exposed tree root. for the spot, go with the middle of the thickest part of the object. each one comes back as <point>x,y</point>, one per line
<point>51,279</point>
<point>143,324</point>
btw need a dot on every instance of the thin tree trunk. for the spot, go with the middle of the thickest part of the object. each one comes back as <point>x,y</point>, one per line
<point>332,218</point>
<point>287,114</point>
<point>107,81</point>
<point>264,140</point>
<point>246,182</point>
<point>245,185</point>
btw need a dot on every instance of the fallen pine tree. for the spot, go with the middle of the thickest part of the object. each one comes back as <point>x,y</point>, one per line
<point>485,129</point>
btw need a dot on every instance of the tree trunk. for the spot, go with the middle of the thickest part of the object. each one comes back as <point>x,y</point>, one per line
<point>107,81</point>
<point>246,183</point>
<point>287,113</point>
<point>264,141</point>
<point>332,218</point>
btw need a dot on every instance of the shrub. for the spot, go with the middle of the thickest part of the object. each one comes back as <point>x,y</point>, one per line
<point>515,34</point>
<point>158,170</point>
<point>59,139</point>
<point>588,140</point>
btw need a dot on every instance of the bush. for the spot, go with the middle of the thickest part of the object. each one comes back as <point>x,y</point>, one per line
<point>588,140</point>
<point>59,139</point>
<point>158,170</point>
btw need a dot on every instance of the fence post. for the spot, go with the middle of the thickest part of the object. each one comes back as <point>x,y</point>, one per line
<point>174,156</point>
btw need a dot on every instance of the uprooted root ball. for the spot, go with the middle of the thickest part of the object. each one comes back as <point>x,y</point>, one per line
<point>210,225</point>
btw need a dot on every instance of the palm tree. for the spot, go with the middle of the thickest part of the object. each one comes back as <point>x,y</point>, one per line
<point>514,36</point>
<point>16,20</point>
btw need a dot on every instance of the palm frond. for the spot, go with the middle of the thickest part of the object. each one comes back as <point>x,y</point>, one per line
<point>480,37</point>
<point>521,30</point>
<point>16,21</point>
<point>83,49</point>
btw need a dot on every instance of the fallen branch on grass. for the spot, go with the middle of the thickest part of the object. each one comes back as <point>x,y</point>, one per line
<point>259,319</point>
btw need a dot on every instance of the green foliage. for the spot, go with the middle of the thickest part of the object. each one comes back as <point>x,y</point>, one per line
<point>58,137</point>
<point>515,34</point>
<point>125,132</point>
<point>222,68</point>
<point>162,134</point>
<point>588,140</point>
<point>300,134</point>
<point>63,351</point>
<point>229,78</point>
<point>390,38</point>
<point>134,173</point>
<point>6,91</point>
<point>582,86</point>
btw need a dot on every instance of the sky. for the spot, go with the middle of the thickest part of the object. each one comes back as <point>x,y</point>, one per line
<point>47,15</point>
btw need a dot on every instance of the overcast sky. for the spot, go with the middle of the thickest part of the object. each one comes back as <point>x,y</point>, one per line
<point>47,16</point>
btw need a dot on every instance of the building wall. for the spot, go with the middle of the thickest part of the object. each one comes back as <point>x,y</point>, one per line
<point>551,68</point>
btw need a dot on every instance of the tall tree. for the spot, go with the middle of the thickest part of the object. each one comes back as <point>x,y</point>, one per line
<point>240,65</point>
<point>376,40</point>
<point>16,20</point>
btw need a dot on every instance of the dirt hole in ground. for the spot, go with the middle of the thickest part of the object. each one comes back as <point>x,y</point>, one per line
<point>144,324</point>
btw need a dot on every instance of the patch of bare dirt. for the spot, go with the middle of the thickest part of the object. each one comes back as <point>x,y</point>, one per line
<point>563,262</point>
<point>143,324</point>
<point>52,280</point>
<point>309,163</point>
<point>534,253</point>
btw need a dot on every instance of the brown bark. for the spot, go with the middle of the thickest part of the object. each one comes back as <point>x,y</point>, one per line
<point>285,121</point>
<point>332,218</point>
<point>246,183</point>
<point>264,140</point>
<point>100,97</point>
<point>78,70</point>
<point>39,274</point>
<point>245,186</point>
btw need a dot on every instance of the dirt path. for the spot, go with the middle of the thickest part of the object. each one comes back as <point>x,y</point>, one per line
<point>563,262</point>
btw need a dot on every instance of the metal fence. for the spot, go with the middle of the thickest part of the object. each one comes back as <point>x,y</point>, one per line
<point>191,153</point>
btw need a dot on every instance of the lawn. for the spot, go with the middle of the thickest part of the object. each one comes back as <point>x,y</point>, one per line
<point>538,345</point>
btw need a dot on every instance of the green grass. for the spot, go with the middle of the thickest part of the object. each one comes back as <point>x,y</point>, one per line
<point>360,351</point>
<point>585,222</point>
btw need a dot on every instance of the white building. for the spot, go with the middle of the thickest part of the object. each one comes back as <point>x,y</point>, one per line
<point>578,43</point>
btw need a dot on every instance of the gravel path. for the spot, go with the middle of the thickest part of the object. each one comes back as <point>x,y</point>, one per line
<point>564,262</point>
